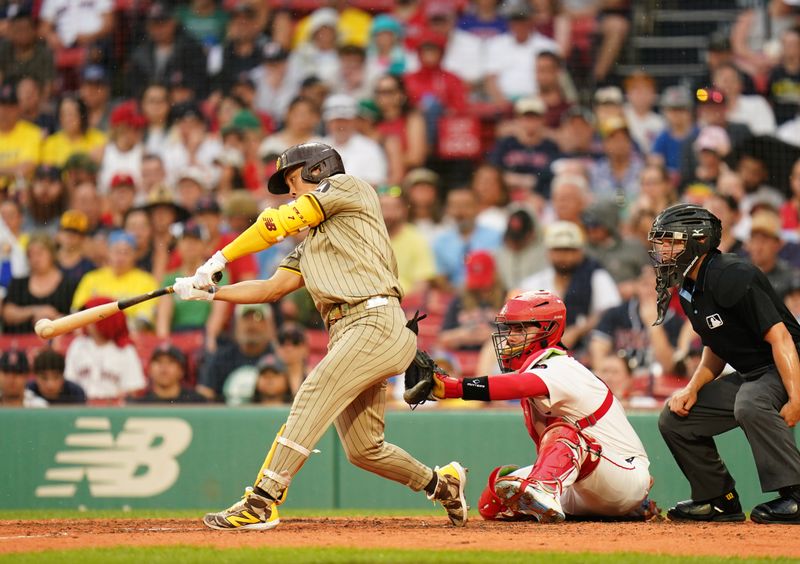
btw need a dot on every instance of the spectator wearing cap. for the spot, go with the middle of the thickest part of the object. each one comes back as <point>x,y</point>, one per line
<point>621,256</point>
<point>712,109</point>
<point>676,106</point>
<point>276,81</point>
<point>294,351</point>
<point>616,174</point>
<point>164,211</point>
<point>421,187</point>
<point>24,53</point>
<point>71,246</point>
<point>751,110</point>
<point>49,382</point>
<point>243,44</point>
<point>78,169</point>
<point>47,199</point>
<point>119,280</point>
<point>74,135</point>
<point>577,139</point>
<point>386,54</point>
<point>14,374</point>
<point>522,253</point>
<point>20,141</point>
<point>303,118</point>
<point>191,144</point>
<point>173,315</point>
<point>103,360</point>
<point>44,293</point>
<point>204,21</point>
<point>711,147</point>
<point>121,199</point>
<point>608,102</point>
<point>352,24</point>
<point>415,262</point>
<point>272,385</point>
<point>644,124</point>
<point>34,106</point>
<point>454,243</point>
<point>469,321</point>
<point>317,55</point>
<point>361,156</point>
<point>763,247</point>
<point>154,102</point>
<point>166,373</point>
<point>95,91</point>
<point>783,86</point>
<point>123,153</point>
<point>509,77</point>
<point>165,51</point>
<point>551,77</point>
<point>14,262</point>
<point>431,88</point>
<point>246,129</point>
<point>525,156</point>
<point>254,334</point>
<point>628,330</point>
<point>586,288</point>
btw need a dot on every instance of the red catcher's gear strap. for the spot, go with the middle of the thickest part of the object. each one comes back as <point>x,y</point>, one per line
<point>592,419</point>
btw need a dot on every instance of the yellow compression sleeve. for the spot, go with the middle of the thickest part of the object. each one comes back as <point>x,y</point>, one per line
<point>273,224</point>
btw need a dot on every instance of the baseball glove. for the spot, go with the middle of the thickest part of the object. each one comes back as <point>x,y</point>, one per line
<point>420,379</point>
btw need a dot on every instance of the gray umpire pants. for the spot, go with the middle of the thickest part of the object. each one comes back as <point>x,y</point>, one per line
<point>752,402</point>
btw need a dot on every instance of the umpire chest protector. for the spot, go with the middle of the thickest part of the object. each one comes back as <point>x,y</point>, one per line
<point>731,306</point>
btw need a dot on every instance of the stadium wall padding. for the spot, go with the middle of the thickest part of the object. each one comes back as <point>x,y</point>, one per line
<point>201,457</point>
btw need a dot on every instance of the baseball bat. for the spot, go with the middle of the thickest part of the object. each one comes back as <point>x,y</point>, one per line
<point>51,328</point>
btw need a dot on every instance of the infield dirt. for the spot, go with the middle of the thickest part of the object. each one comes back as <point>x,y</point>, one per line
<point>682,539</point>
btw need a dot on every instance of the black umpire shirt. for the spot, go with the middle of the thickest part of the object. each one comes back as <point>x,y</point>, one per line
<point>731,306</point>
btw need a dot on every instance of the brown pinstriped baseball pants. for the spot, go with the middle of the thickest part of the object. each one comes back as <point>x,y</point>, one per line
<point>348,387</point>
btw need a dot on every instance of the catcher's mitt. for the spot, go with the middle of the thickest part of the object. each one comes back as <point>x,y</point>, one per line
<point>420,379</point>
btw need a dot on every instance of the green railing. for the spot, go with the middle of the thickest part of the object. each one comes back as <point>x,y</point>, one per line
<point>203,457</point>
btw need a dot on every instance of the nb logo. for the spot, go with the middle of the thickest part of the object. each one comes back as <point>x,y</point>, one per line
<point>140,462</point>
<point>713,321</point>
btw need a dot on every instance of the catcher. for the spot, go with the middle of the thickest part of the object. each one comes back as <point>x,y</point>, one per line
<point>590,461</point>
<point>347,264</point>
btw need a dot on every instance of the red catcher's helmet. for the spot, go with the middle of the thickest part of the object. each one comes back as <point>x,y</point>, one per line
<point>527,324</point>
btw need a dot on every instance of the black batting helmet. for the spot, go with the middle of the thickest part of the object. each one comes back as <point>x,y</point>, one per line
<point>680,235</point>
<point>319,161</point>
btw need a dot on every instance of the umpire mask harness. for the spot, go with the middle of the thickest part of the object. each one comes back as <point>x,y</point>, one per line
<point>319,161</point>
<point>680,235</point>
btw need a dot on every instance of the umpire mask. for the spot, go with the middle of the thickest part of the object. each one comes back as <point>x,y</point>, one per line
<point>680,235</point>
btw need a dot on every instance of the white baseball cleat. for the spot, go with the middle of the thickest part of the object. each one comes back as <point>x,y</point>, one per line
<point>537,499</point>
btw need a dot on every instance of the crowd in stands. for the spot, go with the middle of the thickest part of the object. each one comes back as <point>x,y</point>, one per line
<point>508,153</point>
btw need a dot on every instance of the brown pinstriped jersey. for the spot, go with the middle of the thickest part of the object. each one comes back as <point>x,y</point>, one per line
<point>348,257</point>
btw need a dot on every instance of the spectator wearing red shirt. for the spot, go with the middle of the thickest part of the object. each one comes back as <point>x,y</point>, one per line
<point>431,84</point>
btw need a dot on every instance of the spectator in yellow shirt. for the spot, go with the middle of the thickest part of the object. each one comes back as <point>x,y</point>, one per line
<point>20,141</point>
<point>74,135</point>
<point>119,280</point>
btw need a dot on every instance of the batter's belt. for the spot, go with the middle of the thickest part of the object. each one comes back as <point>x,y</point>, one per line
<point>339,311</point>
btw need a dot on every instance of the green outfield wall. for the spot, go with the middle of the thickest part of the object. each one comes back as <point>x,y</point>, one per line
<point>204,457</point>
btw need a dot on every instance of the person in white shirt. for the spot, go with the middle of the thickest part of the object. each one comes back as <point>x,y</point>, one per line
<point>585,286</point>
<point>644,124</point>
<point>754,111</point>
<point>104,361</point>
<point>68,23</point>
<point>123,155</point>
<point>190,144</point>
<point>277,82</point>
<point>361,156</point>
<point>789,132</point>
<point>511,56</point>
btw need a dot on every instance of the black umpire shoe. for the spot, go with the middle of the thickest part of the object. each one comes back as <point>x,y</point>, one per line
<point>784,510</point>
<point>725,508</point>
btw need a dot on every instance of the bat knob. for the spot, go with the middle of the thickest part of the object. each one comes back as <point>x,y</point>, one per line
<point>44,328</point>
<point>216,277</point>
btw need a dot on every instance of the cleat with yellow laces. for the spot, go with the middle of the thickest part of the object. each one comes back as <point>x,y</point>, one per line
<point>252,512</point>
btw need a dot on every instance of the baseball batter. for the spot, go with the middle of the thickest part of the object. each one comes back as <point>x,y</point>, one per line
<point>590,460</point>
<point>347,264</point>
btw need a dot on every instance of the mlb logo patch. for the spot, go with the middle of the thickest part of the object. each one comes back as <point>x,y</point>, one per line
<point>713,321</point>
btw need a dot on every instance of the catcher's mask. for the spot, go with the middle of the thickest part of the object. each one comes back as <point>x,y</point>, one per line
<point>319,161</point>
<point>680,235</point>
<point>527,324</point>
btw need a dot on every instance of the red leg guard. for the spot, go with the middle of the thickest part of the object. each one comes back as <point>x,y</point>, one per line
<point>490,506</point>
